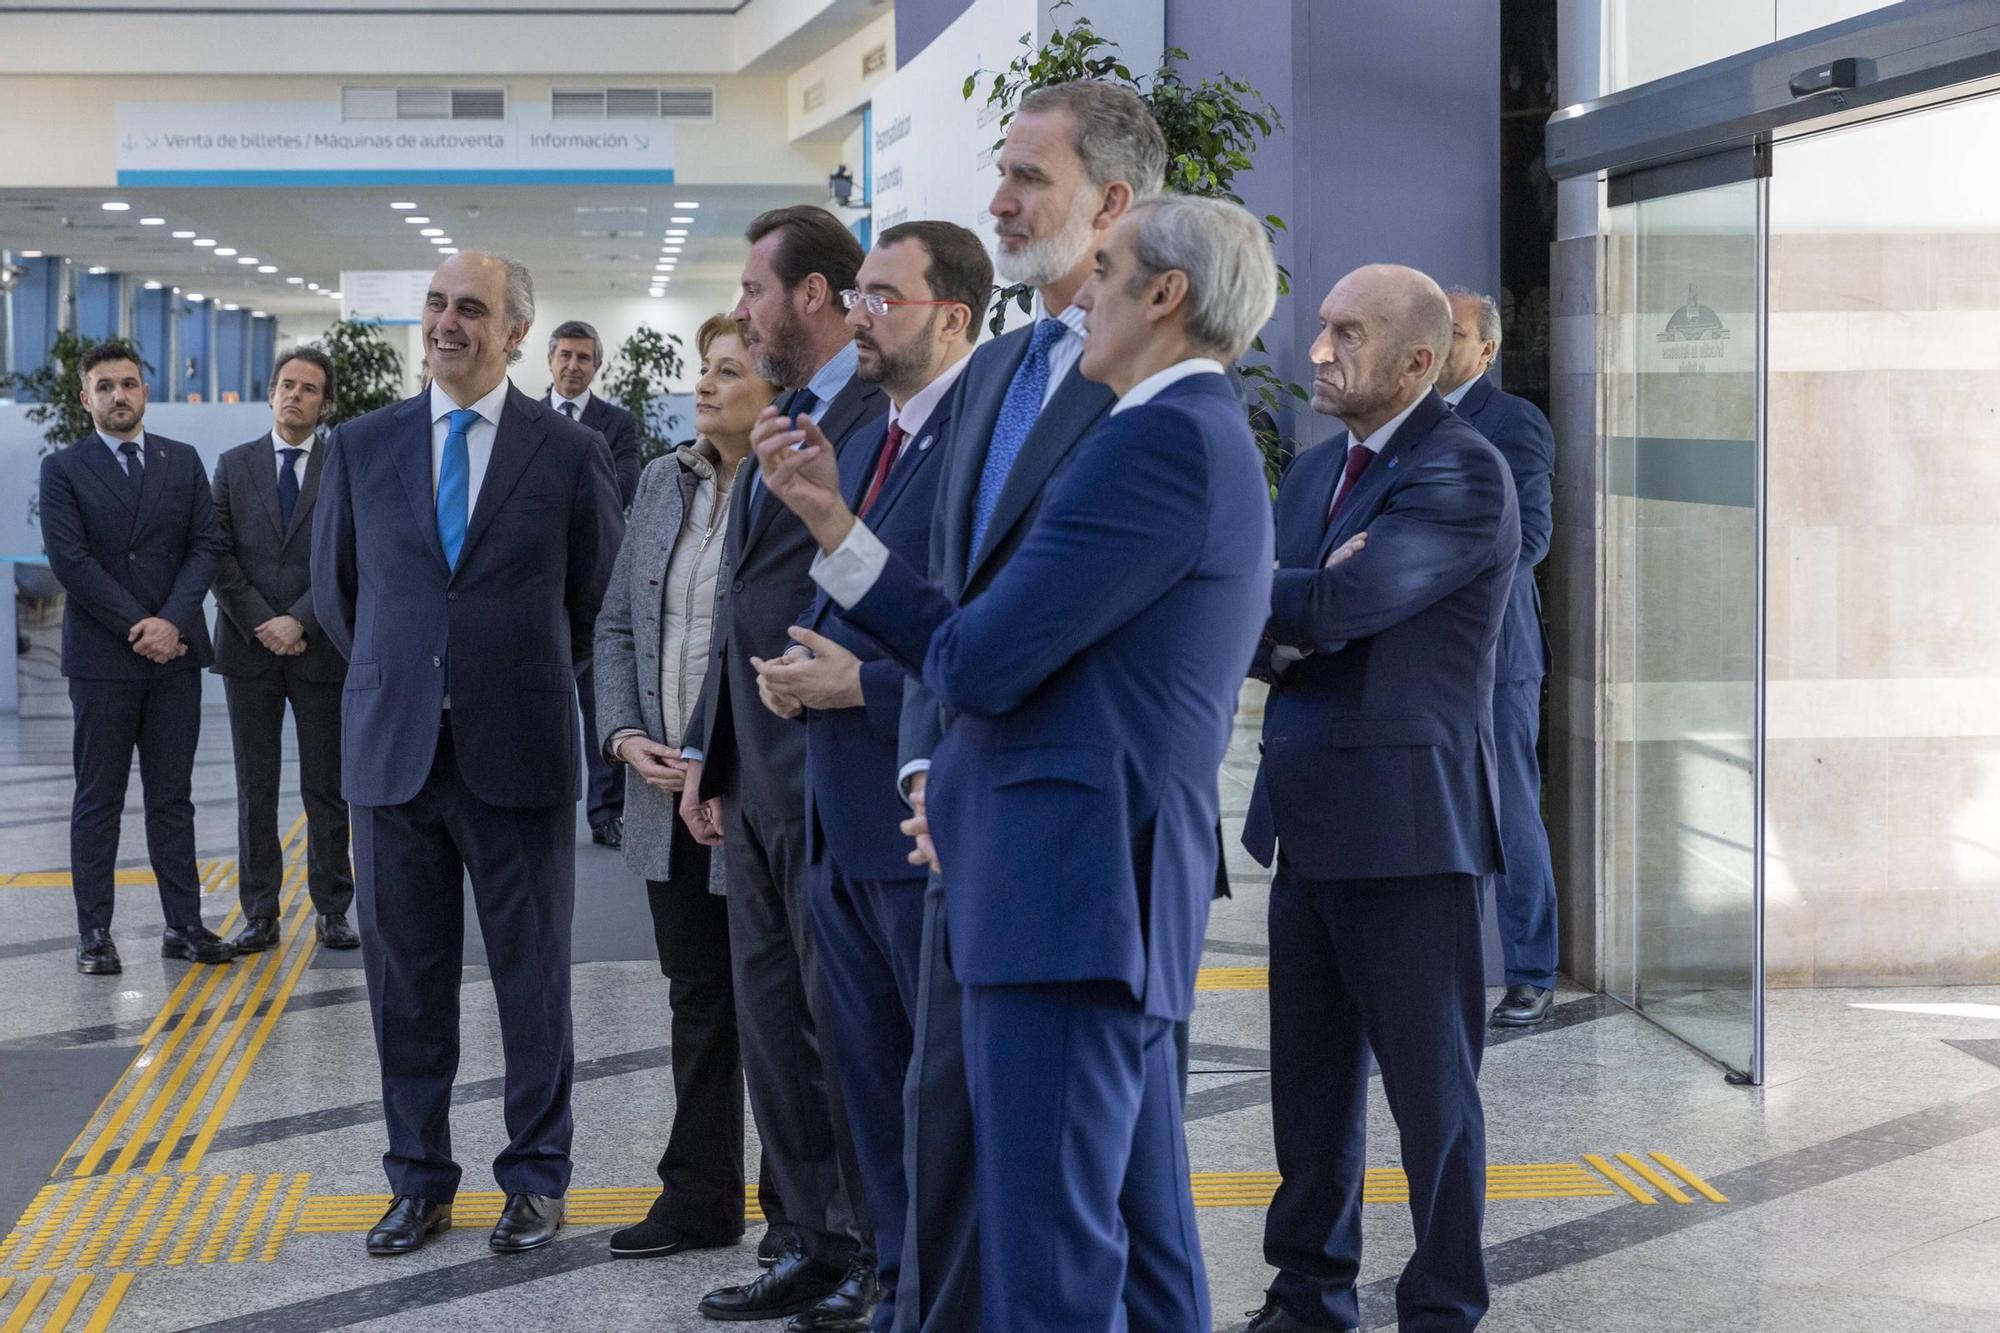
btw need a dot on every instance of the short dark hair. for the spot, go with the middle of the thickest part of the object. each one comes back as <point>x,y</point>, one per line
<point>577,329</point>
<point>112,349</point>
<point>960,268</point>
<point>814,241</point>
<point>312,356</point>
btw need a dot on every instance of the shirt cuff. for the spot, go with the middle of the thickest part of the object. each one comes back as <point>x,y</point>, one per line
<point>851,570</point>
<point>612,742</point>
<point>690,754</point>
<point>907,775</point>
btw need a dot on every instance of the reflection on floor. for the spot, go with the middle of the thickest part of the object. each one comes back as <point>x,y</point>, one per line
<point>215,1136</point>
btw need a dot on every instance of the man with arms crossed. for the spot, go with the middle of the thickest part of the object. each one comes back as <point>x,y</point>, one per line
<point>1092,696</point>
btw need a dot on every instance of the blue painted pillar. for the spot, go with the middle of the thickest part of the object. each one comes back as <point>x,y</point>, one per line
<point>191,374</point>
<point>97,305</point>
<point>152,330</point>
<point>37,312</point>
<point>232,333</point>
<point>263,355</point>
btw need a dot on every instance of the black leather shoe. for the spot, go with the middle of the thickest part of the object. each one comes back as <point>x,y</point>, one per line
<point>794,1284</point>
<point>528,1222</point>
<point>611,833</point>
<point>653,1239</point>
<point>196,943</point>
<point>258,934</point>
<point>848,1308</point>
<point>1523,1006</point>
<point>1275,1318</point>
<point>409,1222</point>
<point>96,955</point>
<point>335,933</point>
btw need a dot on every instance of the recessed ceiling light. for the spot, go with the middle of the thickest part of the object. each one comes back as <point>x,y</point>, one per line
<point>250,260</point>
<point>196,297</point>
<point>98,270</point>
<point>258,314</point>
<point>685,204</point>
<point>418,222</point>
<point>183,235</point>
<point>115,206</point>
<point>447,249</point>
<point>675,233</point>
<point>680,219</point>
<point>224,252</point>
<point>655,291</point>
<point>296,282</point>
<point>152,222</point>
<point>312,286</point>
<point>334,295</point>
<point>31,254</point>
<point>231,305</point>
<point>402,203</point>
<point>203,243</point>
<point>154,286</point>
<point>431,231</point>
<point>440,240</point>
<point>267,268</point>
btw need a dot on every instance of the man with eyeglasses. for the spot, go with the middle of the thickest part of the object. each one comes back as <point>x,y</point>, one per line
<point>921,298</point>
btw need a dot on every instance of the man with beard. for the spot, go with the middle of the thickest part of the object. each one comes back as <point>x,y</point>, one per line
<point>745,792</point>
<point>270,651</point>
<point>1077,156</point>
<point>1378,801</point>
<point>129,524</point>
<point>921,298</point>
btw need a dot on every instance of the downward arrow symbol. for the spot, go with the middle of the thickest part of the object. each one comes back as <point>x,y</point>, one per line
<point>645,141</point>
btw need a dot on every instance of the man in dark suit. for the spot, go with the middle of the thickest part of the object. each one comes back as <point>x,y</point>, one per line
<point>270,650</point>
<point>1075,800</point>
<point>1377,798</point>
<point>916,314</point>
<point>460,551</point>
<point>130,529</point>
<point>1525,892</point>
<point>576,354</point>
<point>1076,157</point>
<point>746,789</point>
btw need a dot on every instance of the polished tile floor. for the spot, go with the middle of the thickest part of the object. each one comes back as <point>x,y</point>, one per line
<point>221,1181</point>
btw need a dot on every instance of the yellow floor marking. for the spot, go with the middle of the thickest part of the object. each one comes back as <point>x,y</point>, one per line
<point>252,1229</point>
<point>1233,978</point>
<point>101,1192</point>
<point>1619,1178</point>
<point>149,1065</point>
<point>1695,1182</point>
<point>52,1220</point>
<point>148,1207</point>
<point>107,1305</point>
<point>288,1213</point>
<point>29,1300</point>
<point>1655,1179</point>
<point>60,1316</point>
<point>225,1221</point>
<point>157,1241</point>
<point>60,879</point>
<point>113,1219</point>
<point>6,1285</point>
<point>192,1103</point>
<point>209,1193</point>
<point>42,1198</point>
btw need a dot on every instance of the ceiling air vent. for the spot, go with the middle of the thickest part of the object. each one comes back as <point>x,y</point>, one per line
<point>632,103</point>
<point>816,96</point>
<point>423,103</point>
<point>875,61</point>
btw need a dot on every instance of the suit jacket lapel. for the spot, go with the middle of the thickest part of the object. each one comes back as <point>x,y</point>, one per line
<point>151,483</point>
<point>1362,505</point>
<point>1475,398</point>
<point>99,460</point>
<point>1061,424</point>
<point>515,442</point>
<point>413,465</point>
<point>848,407</point>
<point>981,411</point>
<point>308,492</point>
<point>263,465</point>
<point>916,456</point>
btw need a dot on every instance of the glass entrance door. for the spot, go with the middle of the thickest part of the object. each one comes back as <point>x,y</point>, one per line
<point>1683,515</point>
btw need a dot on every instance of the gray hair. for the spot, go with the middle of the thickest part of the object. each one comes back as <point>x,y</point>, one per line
<point>1232,276</point>
<point>577,329</point>
<point>1116,135</point>
<point>1489,312</point>
<point>520,307</point>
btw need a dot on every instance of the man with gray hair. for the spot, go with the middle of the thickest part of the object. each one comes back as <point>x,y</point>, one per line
<point>460,550</point>
<point>1525,893</point>
<point>1092,686</point>
<point>1377,803</point>
<point>576,354</point>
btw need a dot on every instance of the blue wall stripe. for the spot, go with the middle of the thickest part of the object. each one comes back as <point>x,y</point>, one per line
<point>498,176</point>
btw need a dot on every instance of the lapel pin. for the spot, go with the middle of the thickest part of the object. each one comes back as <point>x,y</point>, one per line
<point>926,443</point>
<point>1393,462</point>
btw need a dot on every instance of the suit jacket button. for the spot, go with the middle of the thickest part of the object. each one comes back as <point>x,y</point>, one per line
<point>437,661</point>
<point>736,586</point>
<point>451,597</point>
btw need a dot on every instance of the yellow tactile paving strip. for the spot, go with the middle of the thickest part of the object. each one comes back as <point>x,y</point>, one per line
<point>218,876</point>
<point>1233,978</point>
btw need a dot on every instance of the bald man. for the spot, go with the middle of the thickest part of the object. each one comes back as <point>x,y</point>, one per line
<point>1377,804</point>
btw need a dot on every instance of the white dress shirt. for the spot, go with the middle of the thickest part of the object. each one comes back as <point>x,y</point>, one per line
<point>1066,351</point>
<point>912,415</point>
<point>1375,443</point>
<point>478,440</point>
<point>298,464</point>
<point>118,458</point>
<point>1457,396</point>
<point>582,401</point>
<point>1158,382</point>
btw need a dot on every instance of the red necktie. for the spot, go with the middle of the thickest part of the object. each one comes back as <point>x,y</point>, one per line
<point>1359,456</point>
<point>891,447</point>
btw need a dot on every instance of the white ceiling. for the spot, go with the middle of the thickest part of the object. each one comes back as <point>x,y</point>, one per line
<point>602,241</point>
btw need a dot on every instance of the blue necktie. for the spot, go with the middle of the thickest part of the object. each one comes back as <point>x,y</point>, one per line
<point>455,485</point>
<point>288,484</point>
<point>1018,411</point>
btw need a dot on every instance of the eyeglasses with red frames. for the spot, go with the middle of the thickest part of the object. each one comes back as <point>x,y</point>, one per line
<point>878,306</point>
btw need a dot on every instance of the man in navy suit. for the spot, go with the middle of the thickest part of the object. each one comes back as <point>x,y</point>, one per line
<point>916,312</point>
<point>576,354</point>
<point>129,524</point>
<point>1072,801</point>
<point>746,779</point>
<point>1076,158</point>
<point>1378,801</point>
<point>1526,891</point>
<point>462,545</point>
